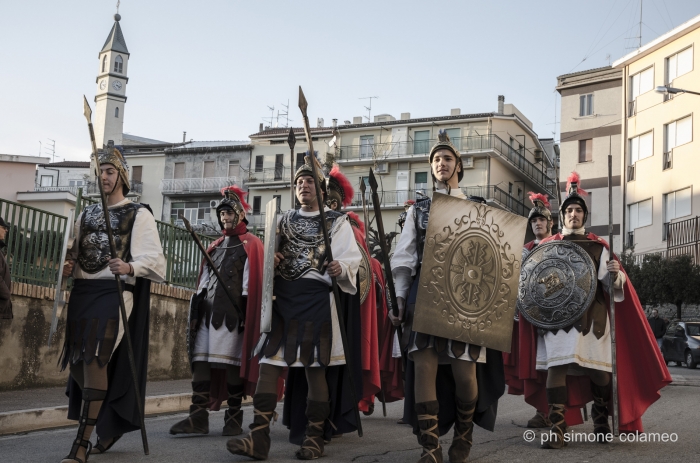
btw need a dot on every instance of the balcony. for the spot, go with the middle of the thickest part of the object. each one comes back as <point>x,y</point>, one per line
<point>177,186</point>
<point>369,153</point>
<point>92,189</point>
<point>50,189</point>
<point>391,199</point>
<point>268,176</point>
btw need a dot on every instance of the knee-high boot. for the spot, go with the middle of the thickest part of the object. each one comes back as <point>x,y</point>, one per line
<point>233,418</point>
<point>257,443</point>
<point>429,434</point>
<point>317,413</point>
<point>599,411</point>
<point>556,397</point>
<point>89,396</point>
<point>464,428</point>
<point>198,421</point>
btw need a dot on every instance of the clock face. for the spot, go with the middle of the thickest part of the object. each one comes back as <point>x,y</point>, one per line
<point>103,84</point>
<point>117,85</point>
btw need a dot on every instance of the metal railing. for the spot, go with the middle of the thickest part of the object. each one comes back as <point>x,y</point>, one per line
<point>50,189</point>
<point>388,198</point>
<point>34,243</point>
<point>195,185</point>
<point>93,189</point>
<point>269,174</point>
<point>385,151</point>
<point>495,194</point>
<point>682,233</point>
<point>668,160</point>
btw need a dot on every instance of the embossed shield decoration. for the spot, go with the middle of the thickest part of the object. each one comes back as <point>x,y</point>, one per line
<point>365,274</point>
<point>469,277</point>
<point>557,284</point>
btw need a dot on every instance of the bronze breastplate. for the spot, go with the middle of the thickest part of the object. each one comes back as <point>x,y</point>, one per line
<point>93,248</point>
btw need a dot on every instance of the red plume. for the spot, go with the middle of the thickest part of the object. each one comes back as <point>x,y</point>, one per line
<point>344,184</point>
<point>535,196</point>
<point>239,192</point>
<point>574,177</point>
<point>410,202</point>
<point>355,218</point>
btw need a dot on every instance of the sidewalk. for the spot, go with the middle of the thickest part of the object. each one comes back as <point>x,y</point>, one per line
<point>34,409</point>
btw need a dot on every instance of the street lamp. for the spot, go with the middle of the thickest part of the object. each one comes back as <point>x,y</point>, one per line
<point>665,89</point>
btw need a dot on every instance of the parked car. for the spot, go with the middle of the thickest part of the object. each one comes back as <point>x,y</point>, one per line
<point>681,343</point>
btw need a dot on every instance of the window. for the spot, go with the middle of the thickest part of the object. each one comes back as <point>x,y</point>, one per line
<point>520,193</point>
<point>76,183</point>
<point>179,171</point>
<point>300,160</point>
<point>279,202</point>
<point>421,142</point>
<point>234,169</point>
<point>589,204</point>
<point>209,170</point>
<point>256,204</point>
<point>641,82</point>
<point>420,181</point>
<point>585,105</point>
<point>641,147</point>
<point>118,64</point>
<point>585,150</point>
<point>279,166</point>
<point>677,204</point>
<point>510,188</point>
<point>196,212</point>
<point>454,136</point>
<point>259,163</point>
<point>136,172</point>
<point>116,111</point>
<point>104,63</point>
<point>679,64</point>
<point>679,133</point>
<point>366,146</point>
<point>640,214</point>
<point>47,180</point>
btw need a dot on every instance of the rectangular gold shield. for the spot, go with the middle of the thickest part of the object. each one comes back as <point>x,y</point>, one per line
<point>468,283</point>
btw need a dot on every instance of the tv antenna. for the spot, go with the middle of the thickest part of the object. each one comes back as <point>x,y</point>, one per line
<point>272,116</point>
<point>284,115</point>
<point>50,149</point>
<point>607,58</point>
<point>369,108</point>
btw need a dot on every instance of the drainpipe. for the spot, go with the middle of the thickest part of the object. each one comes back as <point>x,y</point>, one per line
<point>58,175</point>
<point>623,229</point>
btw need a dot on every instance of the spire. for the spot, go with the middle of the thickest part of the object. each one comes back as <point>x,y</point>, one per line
<point>115,39</point>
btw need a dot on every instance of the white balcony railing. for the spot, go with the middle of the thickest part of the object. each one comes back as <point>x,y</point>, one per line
<point>195,185</point>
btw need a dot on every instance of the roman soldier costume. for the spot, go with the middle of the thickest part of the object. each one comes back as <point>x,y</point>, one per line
<point>434,418</point>
<point>406,206</point>
<point>216,337</point>
<point>582,349</point>
<point>305,334</point>
<point>94,329</point>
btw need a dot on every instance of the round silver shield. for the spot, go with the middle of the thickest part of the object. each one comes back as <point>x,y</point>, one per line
<point>557,284</point>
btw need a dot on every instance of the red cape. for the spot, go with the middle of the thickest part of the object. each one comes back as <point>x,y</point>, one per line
<point>641,371</point>
<point>369,348</point>
<point>391,368</point>
<point>249,363</point>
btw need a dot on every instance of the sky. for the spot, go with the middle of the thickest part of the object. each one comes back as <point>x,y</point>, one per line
<point>213,67</point>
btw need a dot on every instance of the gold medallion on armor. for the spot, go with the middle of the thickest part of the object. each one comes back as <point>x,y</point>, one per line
<point>469,276</point>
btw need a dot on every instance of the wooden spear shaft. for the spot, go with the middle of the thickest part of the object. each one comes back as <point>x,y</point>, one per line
<point>613,338</point>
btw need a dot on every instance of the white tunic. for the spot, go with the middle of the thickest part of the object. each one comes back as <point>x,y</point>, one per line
<point>573,348</point>
<point>147,257</point>
<point>345,251</point>
<point>404,264</point>
<point>219,345</point>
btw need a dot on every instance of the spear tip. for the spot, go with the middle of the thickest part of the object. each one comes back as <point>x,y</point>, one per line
<point>372,180</point>
<point>291,139</point>
<point>362,186</point>
<point>187,223</point>
<point>86,109</point>
<point>302,101</point>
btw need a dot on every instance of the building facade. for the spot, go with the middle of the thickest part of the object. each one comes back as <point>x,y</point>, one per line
<point>591,127</point>
<point>660,142</point>
<point>502,156</point>
<point>17,174</point>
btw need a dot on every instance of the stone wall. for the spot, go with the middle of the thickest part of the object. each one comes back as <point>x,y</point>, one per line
<point>27,362</point>
<point>689,312</point>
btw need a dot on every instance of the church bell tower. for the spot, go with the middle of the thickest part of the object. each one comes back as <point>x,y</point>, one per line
<point>110,98</point>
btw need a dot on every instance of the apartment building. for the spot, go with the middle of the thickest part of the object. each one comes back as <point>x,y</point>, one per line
<point>502,156</point>
<point>591,127</point>
<point>660,142</point>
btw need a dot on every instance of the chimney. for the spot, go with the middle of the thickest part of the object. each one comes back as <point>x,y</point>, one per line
<point>184,137</point>
<point>261,127</point>
<point>501,101</point>
<point>319,122</point>
<point>335,123</point>
<point>405,116</point>
<point>357,120</point>
<point>455,112</point>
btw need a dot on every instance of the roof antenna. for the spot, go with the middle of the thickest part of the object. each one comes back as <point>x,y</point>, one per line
<point>118,2</point>
<point>369,108</point>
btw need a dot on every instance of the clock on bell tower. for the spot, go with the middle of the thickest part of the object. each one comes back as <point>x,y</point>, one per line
<point>111,81</point>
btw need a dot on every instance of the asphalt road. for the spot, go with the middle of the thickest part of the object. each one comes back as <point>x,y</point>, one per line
<point>385,441</point>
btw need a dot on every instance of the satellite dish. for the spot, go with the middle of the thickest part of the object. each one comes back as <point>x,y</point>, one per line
<point>332,142</point>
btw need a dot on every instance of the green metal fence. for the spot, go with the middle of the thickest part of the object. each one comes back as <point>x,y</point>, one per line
<point>35,239</point>
<point>34,243</point>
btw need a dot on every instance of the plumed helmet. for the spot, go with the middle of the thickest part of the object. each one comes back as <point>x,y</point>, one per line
<point>306,169</point>
<point>408,203</point>
<point>339,189</point>
<point>575,195</point>
<point>115,156</point>
<point>541,208</point>
<point>234,200</point>
<point>445,143</point>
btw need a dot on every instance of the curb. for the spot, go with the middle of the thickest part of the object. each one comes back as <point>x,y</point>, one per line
<point>55,417</point>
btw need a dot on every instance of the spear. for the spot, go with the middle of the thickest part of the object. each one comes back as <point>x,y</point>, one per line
<point>291,141</point>
<point>329,257</point>
<point>613,340</point>
<point>117,278</point>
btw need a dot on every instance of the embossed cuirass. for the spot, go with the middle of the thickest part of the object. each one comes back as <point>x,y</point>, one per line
<point>301,243</point>
<point>229,258</point>
<point>93,248</point>
<point>421,215</point>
